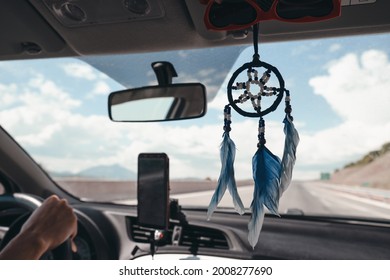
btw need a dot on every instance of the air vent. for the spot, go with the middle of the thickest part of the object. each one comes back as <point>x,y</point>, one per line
<point>191,236</point>
<point>203,238</point>
<point>138,233</point>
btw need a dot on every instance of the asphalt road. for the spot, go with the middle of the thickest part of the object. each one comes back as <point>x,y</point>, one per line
<point>307,197</point>
<point>312,198</point>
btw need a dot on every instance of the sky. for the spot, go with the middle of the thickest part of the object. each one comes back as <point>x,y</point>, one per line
<point>57,108</point>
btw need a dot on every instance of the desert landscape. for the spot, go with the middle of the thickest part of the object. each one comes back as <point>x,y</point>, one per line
<point>372,170</point>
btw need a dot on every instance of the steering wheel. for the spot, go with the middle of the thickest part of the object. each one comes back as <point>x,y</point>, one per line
<point>22,205</point>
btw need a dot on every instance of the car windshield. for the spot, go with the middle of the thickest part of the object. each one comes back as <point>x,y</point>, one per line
<point>56,109</point>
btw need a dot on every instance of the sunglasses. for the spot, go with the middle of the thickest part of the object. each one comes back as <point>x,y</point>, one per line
<point>242,14</point>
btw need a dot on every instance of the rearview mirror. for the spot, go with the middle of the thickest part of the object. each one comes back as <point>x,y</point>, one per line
<point>158,103</point>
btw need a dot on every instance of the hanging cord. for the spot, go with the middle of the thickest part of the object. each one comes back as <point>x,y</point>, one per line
<point>256,56</point>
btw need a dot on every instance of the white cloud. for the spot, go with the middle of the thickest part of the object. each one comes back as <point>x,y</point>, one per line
<point>304,47</point>
<point>8,95</point>
<point>183,54</point>
<point>46,93</point>
<point>208,77</point>
<point>43,118</point>
<point>80,70</point>
<point>84,71</point>
<point>334,47</point>
<point>42,108</point>
<point>101,88</point>
<point>207,72</point>
<point>194,150</point>
<point>356,87</point>
<point>63,140</point>
<point>41,137</point>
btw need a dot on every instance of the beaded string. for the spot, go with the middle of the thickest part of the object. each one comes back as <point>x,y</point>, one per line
<point>261,135</point>
<point>253,78</point>
<point>288,108</point>
<point>227,119</point>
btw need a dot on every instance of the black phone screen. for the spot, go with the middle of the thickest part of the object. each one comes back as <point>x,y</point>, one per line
<point>153,190</point>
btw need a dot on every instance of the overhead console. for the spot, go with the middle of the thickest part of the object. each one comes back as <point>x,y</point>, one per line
<point>85,12</point>
<point>117,26</point>
<point>58,28</point>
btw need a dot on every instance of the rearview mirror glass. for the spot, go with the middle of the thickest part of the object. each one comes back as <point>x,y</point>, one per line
<point>158,103</point>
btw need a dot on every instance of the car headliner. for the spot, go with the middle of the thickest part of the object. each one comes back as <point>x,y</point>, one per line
<point>179,25</point>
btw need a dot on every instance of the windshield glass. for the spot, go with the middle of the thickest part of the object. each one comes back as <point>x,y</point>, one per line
<point>57,110</point>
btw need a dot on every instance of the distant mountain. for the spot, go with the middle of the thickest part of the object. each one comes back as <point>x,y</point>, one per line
<point>107,172</point>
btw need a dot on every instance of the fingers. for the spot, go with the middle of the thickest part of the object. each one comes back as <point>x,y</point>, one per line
<point>73,227</point>
<point>74,247</point>
<point>55,221</point>
<point>65,212</point>
<point>70,216</point>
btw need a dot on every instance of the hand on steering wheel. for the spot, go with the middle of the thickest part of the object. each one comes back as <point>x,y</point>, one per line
<point>51,224</point>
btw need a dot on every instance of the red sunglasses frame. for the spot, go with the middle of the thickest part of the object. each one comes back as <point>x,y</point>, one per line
<point>269,15</point>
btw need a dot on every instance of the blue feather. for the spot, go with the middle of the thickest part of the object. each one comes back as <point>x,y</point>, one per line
<point>256,222</point>
<point>226,178</point>
<point>289,154</point>
<point>266,170</point>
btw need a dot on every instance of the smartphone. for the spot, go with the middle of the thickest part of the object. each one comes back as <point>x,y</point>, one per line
<point>153,190</point>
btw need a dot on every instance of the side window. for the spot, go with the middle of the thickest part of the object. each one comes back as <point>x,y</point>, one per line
<point>2,189</point>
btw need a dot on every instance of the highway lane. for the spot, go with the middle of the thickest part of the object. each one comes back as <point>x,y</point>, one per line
<point>327,199</point>
<point>309,198</point>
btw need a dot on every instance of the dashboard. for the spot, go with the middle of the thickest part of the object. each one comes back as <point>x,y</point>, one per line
<point>112,232</point>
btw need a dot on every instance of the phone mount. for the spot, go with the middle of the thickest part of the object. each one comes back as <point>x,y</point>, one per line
<point>165,237</point>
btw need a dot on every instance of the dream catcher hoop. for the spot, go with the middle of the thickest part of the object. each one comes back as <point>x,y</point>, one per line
<point>254,79</point>
<point>264,90</point>
<point>270,174</point>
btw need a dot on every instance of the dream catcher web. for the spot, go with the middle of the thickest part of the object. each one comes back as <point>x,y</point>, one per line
<point>271,175</point>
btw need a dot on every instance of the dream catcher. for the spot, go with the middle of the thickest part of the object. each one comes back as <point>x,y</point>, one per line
<point>271,175</point>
